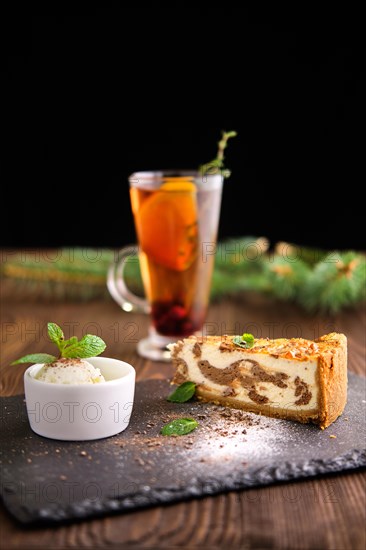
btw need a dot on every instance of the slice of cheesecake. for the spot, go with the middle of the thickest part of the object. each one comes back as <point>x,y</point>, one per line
<point>296,379</point>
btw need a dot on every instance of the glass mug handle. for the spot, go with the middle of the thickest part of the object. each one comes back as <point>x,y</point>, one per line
<point>117,286</point>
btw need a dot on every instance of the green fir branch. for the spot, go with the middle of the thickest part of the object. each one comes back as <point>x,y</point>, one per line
<point>335,281</point>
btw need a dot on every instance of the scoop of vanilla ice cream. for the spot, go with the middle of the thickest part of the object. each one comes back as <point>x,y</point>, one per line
<point>70,371</point>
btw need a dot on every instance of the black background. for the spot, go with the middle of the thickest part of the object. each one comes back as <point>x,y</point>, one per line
<point>91,98</point>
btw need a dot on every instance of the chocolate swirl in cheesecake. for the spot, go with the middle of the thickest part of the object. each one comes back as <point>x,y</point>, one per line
<point>302,391</point>
<point>228,375</point>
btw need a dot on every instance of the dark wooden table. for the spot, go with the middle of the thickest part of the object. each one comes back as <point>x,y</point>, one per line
<point>322,513</point>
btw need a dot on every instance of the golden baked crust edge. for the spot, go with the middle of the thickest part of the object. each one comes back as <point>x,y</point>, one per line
<point>333,380</point>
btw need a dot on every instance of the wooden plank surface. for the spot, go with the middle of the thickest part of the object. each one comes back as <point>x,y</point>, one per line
<point>326,513</point>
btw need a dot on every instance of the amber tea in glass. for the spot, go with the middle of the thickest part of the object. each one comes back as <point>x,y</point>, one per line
<point>176,218</point>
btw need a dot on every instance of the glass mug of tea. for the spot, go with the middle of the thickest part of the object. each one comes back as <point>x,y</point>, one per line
<point>176,218</point>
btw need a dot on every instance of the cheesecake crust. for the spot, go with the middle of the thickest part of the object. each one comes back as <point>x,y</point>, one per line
<point>332,373</point>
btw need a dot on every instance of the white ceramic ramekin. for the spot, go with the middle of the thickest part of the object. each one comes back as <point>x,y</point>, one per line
<point>73,412</point>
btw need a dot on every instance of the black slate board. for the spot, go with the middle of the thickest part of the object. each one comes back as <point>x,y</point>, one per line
<point>50,481</point>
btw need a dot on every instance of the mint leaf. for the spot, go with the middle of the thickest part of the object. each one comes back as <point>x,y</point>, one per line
<point>88,346</point>
<point>67,344</point>
<point>248,339</point>
<point>179,426</point>
<point>71,341</point>
<point>183,393</point>
<point>238,341</point>
<point>55,334</point>
<point>35,358</point>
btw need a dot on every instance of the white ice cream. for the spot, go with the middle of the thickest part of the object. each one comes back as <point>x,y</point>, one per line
<point>70,371</point>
